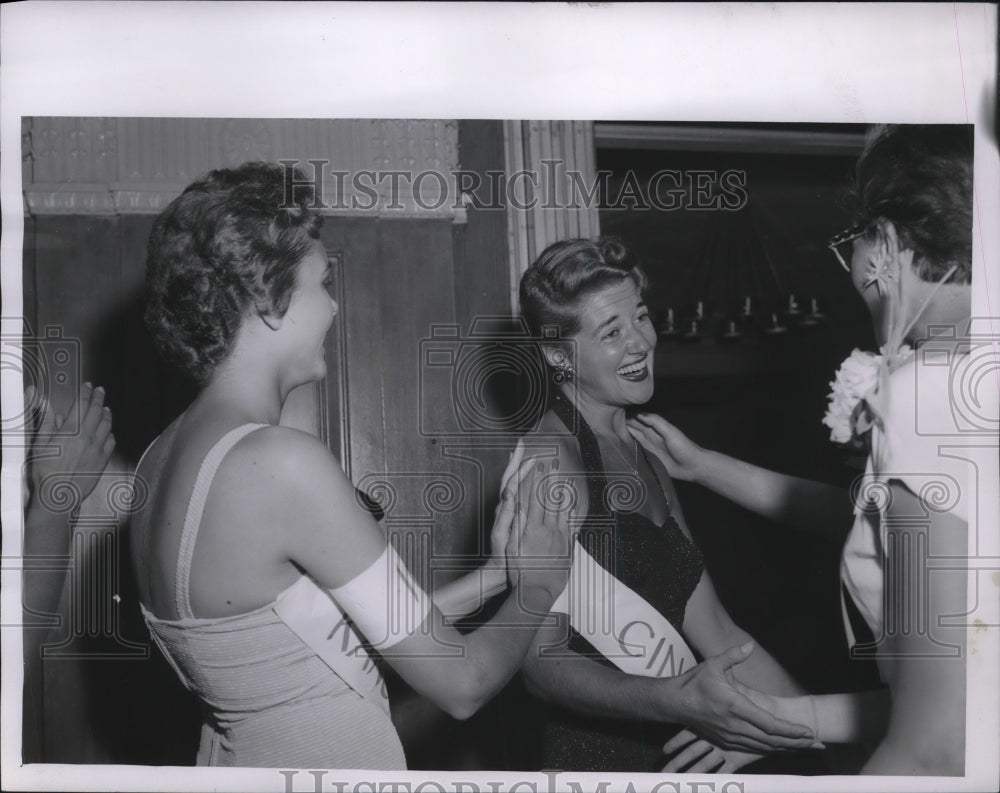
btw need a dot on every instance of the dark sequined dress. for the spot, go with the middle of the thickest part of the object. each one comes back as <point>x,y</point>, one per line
<point>660,564</point>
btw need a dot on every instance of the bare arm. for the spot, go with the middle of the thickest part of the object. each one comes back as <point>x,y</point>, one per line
<point>799,503</point>
<point>710,629</point>
<point>334,540</point>
<point>467,594</point>
<point>926,731</point>
<point>703,698</point>
<point>920,718</point>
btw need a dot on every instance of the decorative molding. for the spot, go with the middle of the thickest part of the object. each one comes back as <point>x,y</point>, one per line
<point>143,163</point>
<point>144,199</point>
<point>556,158</point>
<point>70,199</point>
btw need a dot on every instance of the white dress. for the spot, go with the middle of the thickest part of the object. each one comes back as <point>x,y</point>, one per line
<point>936,410</point>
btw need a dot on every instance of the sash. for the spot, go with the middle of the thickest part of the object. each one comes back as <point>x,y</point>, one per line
<point>619,623</point>
<point>314,616</point>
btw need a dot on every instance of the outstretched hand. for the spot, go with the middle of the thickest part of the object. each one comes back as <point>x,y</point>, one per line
<point>716,709</point>
<point>76,459</point>
<point>537,507</point>
<point>503,517</point>
<point>678,453</point>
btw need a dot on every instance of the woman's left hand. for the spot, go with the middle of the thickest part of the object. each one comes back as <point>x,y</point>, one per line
<point>694,755</point>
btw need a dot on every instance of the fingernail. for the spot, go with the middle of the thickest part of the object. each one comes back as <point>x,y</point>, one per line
<point>506,495</point>
<point>747,647</point>
<point>100,388</point>
<point>87,385</point>
<point>818,745</point>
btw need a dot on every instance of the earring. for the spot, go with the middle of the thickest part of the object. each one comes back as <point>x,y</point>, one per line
<point>878,273</point>
<point>564,369</point>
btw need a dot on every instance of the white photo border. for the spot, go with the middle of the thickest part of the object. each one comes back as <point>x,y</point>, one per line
<point>831,62</point>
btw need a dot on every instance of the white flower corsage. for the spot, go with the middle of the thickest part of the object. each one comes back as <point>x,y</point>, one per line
<point>856,379</point>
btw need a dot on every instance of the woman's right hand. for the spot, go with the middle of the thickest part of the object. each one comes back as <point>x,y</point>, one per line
<point>712,704</point>
<point>681,456</point>
<point>540,543</point>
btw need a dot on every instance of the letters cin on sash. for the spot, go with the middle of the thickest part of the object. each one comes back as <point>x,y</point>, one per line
<point>645,648</point>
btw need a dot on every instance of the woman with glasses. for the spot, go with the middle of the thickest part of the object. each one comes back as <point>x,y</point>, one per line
<point>910,259</point>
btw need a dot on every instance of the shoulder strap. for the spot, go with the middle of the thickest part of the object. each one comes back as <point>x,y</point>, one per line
<point>195,510</point>
<point>590,452</point>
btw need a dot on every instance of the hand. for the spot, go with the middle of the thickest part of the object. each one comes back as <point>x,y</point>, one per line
<point>678,453</point>
<point>77,460</point>
<point>694,755</point>
<point>503,516</point>
<point>713,706</point>
<point>539,549</point>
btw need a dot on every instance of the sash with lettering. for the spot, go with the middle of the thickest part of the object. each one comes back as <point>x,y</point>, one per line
<point>619,623</point>
<point>314,616</point>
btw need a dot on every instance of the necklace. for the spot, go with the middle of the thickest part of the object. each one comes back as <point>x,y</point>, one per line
<point>633,467</point>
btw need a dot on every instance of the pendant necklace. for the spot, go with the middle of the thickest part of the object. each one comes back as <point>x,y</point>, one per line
<point>633,467</point>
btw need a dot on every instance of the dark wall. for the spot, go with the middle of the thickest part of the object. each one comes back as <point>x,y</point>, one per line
<point>105,691</point>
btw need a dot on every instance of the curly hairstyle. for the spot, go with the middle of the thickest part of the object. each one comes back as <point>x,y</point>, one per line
<point>568,271</point>
<point>229,245</point>
<point>920,178</point>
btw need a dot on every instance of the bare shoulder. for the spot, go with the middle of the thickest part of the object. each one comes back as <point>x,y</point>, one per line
<point>293,478</point>
<point>285,455</point>
<point>282,470</point>
<point>550,436</point>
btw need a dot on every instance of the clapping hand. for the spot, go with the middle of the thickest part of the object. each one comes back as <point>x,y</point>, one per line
<point>76,460</point>
<point>678,453</point>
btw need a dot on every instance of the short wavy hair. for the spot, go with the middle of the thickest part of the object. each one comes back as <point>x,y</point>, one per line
<point>568,271</point>
<point>920,178</point>
<point>228,246</point>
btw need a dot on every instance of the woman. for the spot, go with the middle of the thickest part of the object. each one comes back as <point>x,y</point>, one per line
<point>616,687</point>
<point>264,582</point>
<point>910,259</point>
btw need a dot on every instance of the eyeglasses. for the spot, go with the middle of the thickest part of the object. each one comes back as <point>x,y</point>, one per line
<point>841,243</point>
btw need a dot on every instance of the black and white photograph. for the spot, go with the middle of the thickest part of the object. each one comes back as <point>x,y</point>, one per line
<point>633,433</point>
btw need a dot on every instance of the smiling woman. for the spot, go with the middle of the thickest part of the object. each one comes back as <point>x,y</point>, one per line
<point>616,690</point>
<point>266,584</point>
